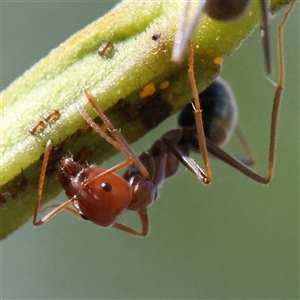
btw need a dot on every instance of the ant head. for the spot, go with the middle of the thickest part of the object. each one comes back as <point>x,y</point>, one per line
<point>225,10</point>
<point>219,112</point>
<point>100,199</point>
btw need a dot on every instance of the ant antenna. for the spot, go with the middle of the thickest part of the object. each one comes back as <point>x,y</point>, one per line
<point>119,142</point>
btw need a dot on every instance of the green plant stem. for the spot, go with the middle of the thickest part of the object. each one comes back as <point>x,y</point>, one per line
<point>142,35</point>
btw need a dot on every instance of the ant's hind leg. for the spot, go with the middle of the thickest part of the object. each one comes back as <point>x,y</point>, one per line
<point>278,93</point>
<point>237,164</point>
<point>250,159</point>
<point>198,119</point>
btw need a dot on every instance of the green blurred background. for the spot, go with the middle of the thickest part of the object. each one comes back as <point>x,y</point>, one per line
<point>232,239</point>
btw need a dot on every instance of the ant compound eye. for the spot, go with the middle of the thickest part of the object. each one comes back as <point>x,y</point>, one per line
<point>106,186</point>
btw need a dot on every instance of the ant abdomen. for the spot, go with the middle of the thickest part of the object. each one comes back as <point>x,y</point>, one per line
<point>219,112</point>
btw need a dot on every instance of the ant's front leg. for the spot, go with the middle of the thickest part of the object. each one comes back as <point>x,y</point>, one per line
<point>40,191</point>
<point>143,214</point>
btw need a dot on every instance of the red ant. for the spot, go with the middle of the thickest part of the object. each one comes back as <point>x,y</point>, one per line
<point>100,195</point>
<point>219,10</point>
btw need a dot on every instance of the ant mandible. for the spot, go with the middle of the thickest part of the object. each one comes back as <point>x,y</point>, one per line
<point>219,10</point>
<point>100,195</point>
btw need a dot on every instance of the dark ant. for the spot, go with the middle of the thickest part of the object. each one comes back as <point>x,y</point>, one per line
<point>219,10</point>
<point>100,195</point>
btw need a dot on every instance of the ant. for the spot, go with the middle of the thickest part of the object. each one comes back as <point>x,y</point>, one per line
<point>100,195</point>
<point>219,10</point>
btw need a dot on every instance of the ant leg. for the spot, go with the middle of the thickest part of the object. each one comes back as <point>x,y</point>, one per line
<point>178,45</point>
<point>234,162</point>
<point>143,214</point>
<point>184,33</point>
<point>187,161</point>
<point>120,142</point>
<point>109,171</point>
<point>52,213</point>
<point>222,155</point>
<point>40,190</point>
<point>67,208</point>
<point>198,119</point>
<point>278,93</point>
<point>265,34</point>
<point>246,148</point>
